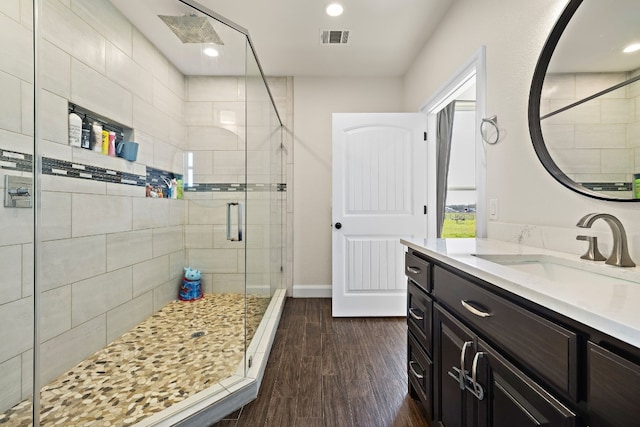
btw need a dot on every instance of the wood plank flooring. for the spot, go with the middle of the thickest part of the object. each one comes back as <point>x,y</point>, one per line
<point>325,372</point>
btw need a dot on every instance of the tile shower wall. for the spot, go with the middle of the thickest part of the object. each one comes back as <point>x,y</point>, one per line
<point>598,141</point>
<point>16,239</point>
<point>110,257</point>
<point>215,118</point>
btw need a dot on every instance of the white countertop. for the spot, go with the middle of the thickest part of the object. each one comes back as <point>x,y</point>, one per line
<point>610,308</point>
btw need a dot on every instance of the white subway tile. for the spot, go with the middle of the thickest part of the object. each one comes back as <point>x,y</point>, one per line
<point>11,8</point>
<point>147,55</point>
<point>10,383</point>
<point>128,248</point>
<point>616,110</point>
<point>166,156</point>
<point>633,134</point>
<point>66,350</point>
<point>163,295</point>
<point>177,212</point>
<point>17,226</point>
<point>127,73</point>
<point>94,91</point>
<point>107,20</point>
<point>176,264</point>
<point>16,46</point>
<point>10,273</point>
<point>211,138</point>
<point>149,274</point>
<point>601,136</point>
<point>167,240</point>
<point>72,185</point>
<point>124,317</point>
<point>213,260</point>
<point>96,214</point>
<point>65,29</point>
<point>177,133</point>
<point>212,88</point>
<point>617,161</point>
<point>54,116</point>
<point>26,13</point>
<point>145,148</point>
<point>229,162</point>
<point>577,161</point>
<point>150,213</point>
<point>176,82</point>
<point>148,119</point>
<point>56,215</point>
<point>11,105</point>
<point>27,374</point>
<point>167,101</point>
<point>27,270</point>
<point>125,190</point>
<point>57,63</point>
<point>199,236</point>
<point>55,312</point>
<point>230,115</point>
<point>559,86</point>
<point>16,142</point>
<point>70,260</point>
<point>97,295</point>
<point>16,334</point>
<point>198,114</point>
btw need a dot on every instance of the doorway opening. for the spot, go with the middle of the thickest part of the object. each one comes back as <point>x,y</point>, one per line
<point>457,158</point>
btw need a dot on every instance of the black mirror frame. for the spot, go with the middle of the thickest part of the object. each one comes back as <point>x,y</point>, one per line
<point>535,129</point>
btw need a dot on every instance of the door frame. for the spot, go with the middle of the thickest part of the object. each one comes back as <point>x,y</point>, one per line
<point>475,66</point>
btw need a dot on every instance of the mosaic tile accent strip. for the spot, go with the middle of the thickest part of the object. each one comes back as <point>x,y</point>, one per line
<point>221,187</point>
<point>13,160</point>
<point>608,186</point>
<point>181,350</point>
<point>82,171</point>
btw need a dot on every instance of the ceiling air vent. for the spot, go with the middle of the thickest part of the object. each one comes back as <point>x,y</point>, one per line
<point>334,36</point>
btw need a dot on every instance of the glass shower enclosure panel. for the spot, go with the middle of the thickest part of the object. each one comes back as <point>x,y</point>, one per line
<point>16,212</point>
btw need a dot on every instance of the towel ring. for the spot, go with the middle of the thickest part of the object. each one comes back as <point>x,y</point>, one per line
<point>493,120</point>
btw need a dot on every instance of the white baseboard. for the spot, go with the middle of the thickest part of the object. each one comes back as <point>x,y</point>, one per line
<point>312,291</point>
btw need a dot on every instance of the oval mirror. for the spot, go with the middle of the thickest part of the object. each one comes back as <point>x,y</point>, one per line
<point>584,104</point>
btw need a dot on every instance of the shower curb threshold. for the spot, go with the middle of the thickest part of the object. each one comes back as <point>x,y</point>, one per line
<point>213,404</point>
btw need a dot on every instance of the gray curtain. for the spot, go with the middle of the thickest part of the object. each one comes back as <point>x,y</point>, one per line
<point>443,153</point>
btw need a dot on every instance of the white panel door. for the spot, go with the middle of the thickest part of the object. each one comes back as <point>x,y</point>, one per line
<point>379,196</point>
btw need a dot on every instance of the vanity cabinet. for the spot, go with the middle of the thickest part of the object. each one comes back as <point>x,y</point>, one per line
<point>480,388</point>
<point>613,388</point>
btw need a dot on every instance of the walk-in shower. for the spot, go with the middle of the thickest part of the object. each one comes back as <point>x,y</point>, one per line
<point>131,149</point>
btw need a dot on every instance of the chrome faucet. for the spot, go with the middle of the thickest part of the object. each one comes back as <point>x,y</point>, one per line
<point>620,253</point>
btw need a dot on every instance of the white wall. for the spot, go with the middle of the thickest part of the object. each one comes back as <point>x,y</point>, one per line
<point>315,99</point>
<point>533,207</point>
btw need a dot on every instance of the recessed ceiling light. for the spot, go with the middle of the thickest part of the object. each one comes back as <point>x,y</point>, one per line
<point>211,51</point>
<point>334,9</point>
<point>632,48</point>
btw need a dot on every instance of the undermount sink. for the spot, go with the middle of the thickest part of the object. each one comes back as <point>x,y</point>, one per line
<point>564,271</point>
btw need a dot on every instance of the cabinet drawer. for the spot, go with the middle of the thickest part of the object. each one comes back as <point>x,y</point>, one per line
<point>543,347</point>
<point>420,369</point>
<point>419,311</point>
<point>418,270</point>
<point>613,389</point>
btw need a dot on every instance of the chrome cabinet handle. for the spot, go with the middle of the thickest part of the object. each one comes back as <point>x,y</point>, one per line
<point>463,373</point>
<point>414,315</point>
<point>474,310</point>
<point>477,391</point>
<point>413,371</point>
<point>414,270</point>
<point>238,236</point>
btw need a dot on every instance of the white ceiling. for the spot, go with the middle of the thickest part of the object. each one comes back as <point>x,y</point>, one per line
<point>385,35</point>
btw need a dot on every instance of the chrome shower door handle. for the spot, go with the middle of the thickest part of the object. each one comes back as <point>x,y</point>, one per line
<point>238,236</point>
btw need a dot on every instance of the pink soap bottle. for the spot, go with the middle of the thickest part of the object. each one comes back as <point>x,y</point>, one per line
<point>112,144</point>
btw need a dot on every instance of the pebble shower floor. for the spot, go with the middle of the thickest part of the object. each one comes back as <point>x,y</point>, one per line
<point>181,350</point>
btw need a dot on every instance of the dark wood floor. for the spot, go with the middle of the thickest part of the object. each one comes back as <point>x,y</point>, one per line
<point>333,372</point>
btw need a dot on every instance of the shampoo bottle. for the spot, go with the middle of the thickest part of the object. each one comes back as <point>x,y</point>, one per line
<point>105,142</point>
<point>85,142</point>
<point>96,134</point>
<point>112,144</point>
<point>75,130</point>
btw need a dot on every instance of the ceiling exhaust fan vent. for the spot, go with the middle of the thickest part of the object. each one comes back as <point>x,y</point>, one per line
<point>334,36</point>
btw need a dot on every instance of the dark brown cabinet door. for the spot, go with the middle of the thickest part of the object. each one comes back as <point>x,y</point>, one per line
<point>455,347</point>
<point>512,399</point>
<point>613,390</point>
